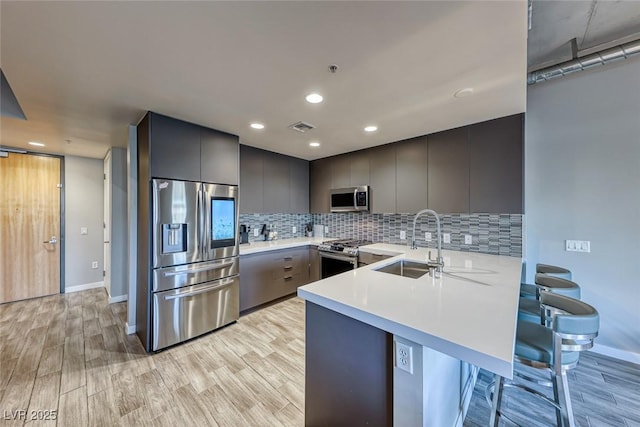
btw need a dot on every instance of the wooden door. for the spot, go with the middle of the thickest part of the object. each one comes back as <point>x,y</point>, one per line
<point>29,217</point>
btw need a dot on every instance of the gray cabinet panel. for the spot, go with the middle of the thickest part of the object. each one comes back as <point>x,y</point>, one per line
<point>359,168</point>
<point>299,185</point>
<point>251,182</point>
<point>219,154</point>
<point>320,184</point>
<point>174,148</point>
<point>382,171</point>
<point>496,168</point>
<point>448,171</point>
<point>267,276</point>
<point>411,175</point>
<point>276,183</point>
<point>314,264</point>
<point>341,171</point>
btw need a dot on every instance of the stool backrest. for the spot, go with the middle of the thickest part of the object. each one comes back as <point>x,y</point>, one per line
<point>553,270</point>
<point>557,285</point>
<point>571,316</point>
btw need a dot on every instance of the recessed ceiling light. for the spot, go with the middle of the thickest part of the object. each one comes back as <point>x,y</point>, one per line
<point>314,144</point>
<point>463,92</point>
<point>37,144</point>
<point>371,128</point>
<point>314,98</point>
<point>257,125</point>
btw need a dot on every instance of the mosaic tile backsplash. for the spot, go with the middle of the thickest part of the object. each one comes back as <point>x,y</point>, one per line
<point>498,234</point>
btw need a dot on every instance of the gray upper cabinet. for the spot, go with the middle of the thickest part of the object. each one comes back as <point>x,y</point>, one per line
<point>320,184</point>
<point>448,171</point>
<point>185,151</point>
<point>251,183</point>
<point>341,171</point>
<point>411,175</point>
<point>174,148</point>
<point>299,190</point>
<point>272,182</point>
<point>220,158</point>
<point>359,168</point>
<point>276,183</point>
<point>382,173</point>
<point>496,160</point>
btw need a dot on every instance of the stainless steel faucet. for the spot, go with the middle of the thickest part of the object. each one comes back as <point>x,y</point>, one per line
<point>439,261</point>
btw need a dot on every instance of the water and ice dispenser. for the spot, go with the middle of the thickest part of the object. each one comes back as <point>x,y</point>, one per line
<point>174,238</point>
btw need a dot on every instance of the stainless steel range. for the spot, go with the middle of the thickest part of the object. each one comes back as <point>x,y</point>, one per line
<point>338,256</point>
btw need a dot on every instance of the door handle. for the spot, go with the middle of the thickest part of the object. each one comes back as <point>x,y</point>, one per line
<point>52,241</point>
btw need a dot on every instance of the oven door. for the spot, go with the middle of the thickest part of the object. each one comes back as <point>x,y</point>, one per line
<point>332,264</point>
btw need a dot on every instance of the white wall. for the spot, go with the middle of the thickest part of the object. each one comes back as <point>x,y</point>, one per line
<point>582,181</point>
<point>83,208</point>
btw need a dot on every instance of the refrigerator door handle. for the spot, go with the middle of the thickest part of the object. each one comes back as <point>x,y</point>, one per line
<point>224,284</point>
<point>199,221</point>
<point>198,270</point>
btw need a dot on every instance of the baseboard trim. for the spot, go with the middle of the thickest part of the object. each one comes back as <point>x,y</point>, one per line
<point>86,286</point>
<point>119,298</point>
<point>616,353</point>
<point>131,329</point>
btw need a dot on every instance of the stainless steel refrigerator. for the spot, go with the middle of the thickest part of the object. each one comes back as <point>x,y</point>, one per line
<point>194,284</point>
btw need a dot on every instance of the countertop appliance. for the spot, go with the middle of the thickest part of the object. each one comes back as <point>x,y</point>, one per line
<point>338,256</point>
<point>350,199</point>
<point>195,268</point>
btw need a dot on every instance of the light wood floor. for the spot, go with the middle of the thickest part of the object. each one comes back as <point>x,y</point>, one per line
<point>69,353</point>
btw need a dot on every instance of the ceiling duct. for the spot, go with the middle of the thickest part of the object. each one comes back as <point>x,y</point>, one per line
<point>602,57</point>
<point>301,126</point>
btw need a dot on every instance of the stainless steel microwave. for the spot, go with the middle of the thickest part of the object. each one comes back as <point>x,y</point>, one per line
<point>350,199</point>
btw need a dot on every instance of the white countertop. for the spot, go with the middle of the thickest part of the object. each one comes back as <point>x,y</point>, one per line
<point>470,313</point>
<point>272,245</point>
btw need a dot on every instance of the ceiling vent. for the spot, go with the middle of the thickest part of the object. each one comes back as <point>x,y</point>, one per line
<point>301,126</point>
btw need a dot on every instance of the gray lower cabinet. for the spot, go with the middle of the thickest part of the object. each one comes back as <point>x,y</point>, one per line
<point>267,276</point>
<point>315,272</point>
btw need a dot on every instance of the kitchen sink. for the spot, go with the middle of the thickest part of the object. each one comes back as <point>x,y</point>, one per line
<point>406,268</point>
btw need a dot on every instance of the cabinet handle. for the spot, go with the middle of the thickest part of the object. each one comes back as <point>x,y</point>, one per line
<point>288,258</point>
<point>288,277</point>
<point>288,267</point>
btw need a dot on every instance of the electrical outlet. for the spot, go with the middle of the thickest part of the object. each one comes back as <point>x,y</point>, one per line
<point>468,239</point>
<point>404,357</point>
<point>403,235</point>
<point>446,237</point>
<point>94,264</point>
<point>294,229</point>
<point>427,236</point>
<point>256,232</point>
<point>83,230</point>
<point>326,230</point>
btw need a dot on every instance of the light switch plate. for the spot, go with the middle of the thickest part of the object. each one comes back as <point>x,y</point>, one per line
<point>256,232</point>
<point>403,235</point>
<point>427,236</point>
<point>326,230</point>
<point>294,229</point>
<point>577,245</point>
<point>446,237</point>
<point>83,230</point>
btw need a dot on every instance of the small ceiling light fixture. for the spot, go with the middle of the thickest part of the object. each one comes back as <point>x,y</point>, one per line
<point>37,144</point>
<point>257,125</point>
<point>371,128</point>
<point>463,92</point>
<point>314,144</point>
<point>314,98</point>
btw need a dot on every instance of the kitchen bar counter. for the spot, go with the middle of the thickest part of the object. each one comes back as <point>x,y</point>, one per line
<point>358,322</point>
<point>469,313</point>
<point>272,245</point>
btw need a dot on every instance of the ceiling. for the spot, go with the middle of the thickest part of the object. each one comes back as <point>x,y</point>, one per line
<point>84,71</point>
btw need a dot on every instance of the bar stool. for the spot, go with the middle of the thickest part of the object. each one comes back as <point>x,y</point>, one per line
<point>554,349</point>
<point>529,309</point>
<point>528,290</point>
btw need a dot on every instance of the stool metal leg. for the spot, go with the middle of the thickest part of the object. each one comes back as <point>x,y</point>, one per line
<point>497,400</point>
<point>564,400</point>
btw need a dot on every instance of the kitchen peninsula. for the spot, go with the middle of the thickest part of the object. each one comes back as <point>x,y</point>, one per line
<point>449,326</point>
